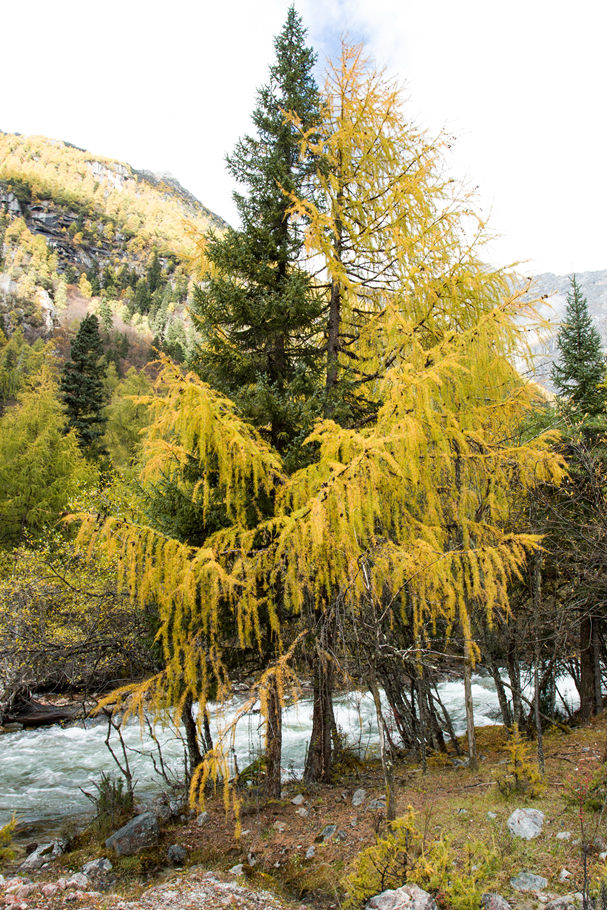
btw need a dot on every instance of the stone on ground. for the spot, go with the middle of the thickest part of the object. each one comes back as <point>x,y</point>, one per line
<point>409,897</point>
<point>526,823</point>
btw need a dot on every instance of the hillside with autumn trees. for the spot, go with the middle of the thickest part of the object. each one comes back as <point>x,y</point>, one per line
<point>299,452</point>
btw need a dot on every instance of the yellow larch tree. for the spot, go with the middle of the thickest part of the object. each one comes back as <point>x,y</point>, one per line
<point>404,507</point>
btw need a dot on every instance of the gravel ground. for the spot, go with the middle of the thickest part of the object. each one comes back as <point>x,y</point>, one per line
<point>196,890</point>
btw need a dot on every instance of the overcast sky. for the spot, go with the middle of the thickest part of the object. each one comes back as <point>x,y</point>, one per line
<point>170,87</point>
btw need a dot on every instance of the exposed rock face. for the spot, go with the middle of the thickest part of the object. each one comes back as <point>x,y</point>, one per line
<point>409,897</point>
<point>140,832</point>
<point>526,823</point>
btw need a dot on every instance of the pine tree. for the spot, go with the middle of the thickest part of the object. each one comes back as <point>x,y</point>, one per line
<point>257,310</point>
<point>581,366</point>
<point>82,387</point>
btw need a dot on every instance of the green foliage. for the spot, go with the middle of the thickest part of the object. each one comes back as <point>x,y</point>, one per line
<point>41,466</point>
<point>126,416</point>
<point>521,776</point>
<point>580,371</point>
<point>403,856</point>
<point>82,387</point>
<point>65,623</point>
<point>589,793</point>
<point>257,309</point>
<point>7,833</point>
<point>113,803</point>
<point>18,361</point>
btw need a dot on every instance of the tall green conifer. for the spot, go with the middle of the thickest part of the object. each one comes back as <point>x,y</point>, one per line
<point>82,387</point>
<point>257,309</point>
<point>581,366</point>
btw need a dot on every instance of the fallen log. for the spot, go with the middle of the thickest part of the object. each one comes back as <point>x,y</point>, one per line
<point>33,713</point>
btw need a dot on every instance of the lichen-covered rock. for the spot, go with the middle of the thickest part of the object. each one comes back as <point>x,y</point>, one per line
<point>526,823</point>
<point>358,797</point>
<point>528,881</point>
<point>409,897</point>
<point>41,855</point>
<point>573,901</point>
<point>493,901</point>
<point>140,832</point>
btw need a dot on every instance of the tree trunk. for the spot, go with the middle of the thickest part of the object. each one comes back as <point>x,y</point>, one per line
<point>385,754</point>
<point>515,686</point>
<point>191,737</point>
<point>273,743</point>
<point>320,755</point>
<point>596,653</point>
<point>536,583</point>
<point>472,756</point>
<point>587,682</point>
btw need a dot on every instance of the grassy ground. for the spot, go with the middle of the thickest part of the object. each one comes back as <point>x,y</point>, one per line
<point>450,802</point>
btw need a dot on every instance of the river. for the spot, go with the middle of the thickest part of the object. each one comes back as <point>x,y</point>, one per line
<point>42,771</point>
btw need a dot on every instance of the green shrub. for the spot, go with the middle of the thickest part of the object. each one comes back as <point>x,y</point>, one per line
<point>521,776</point>
<point>457,878</point>
<point>113,802</point>
<point>7,833</point>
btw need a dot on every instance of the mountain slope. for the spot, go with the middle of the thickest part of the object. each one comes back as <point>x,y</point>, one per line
<point>125,237</point>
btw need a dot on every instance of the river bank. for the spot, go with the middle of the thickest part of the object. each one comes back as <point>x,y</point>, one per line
<point>44,772</point>
<point>301,847</point>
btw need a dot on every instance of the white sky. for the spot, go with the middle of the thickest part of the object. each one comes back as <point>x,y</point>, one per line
<point>170,86</point>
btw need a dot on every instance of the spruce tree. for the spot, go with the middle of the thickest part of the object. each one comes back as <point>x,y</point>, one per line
<point>581,366</point>
<point>82,387</point>
<point>258,310</point>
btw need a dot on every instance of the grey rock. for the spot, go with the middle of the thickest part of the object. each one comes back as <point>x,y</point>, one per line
<point>97,870</point>
<point>358,797</point>
<point>564,874</point>
<point>526,823</point>
<point>327,832</point>
<point>41,855</point>
<point>298,800</point>
<point>140,832</point>
<point>238,869</point>
<point>493,901</point>
<point>251,859</point>
<point>302,811</point>
<point>377,805</point>
<point>177,854</point>
<point>310,852</point>
<point>572,901</point>
<point>528,881</point>
<point>202,819</point>
<point>563,835</point>
<point>409,897</point>
<point>78,880</point>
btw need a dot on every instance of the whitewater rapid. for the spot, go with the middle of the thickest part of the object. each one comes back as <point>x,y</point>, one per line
<point>43,771</point>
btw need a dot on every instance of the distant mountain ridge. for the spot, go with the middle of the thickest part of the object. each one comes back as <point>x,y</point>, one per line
<point>554,290</point>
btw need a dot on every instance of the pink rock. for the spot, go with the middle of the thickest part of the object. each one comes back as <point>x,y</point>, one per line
<point>49,889</point>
